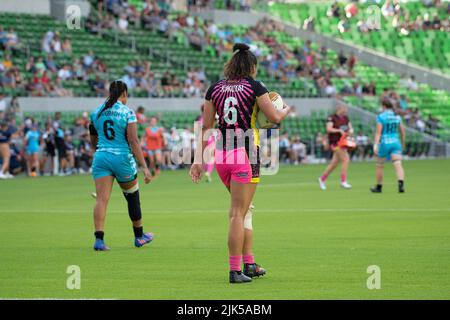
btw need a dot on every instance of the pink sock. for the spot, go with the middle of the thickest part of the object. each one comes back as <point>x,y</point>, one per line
<point>235,263</point>
<point>343,177</point>
<point>324,177</point>
<point>249,259</point>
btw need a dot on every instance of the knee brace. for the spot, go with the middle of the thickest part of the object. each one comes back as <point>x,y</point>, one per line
<point>248,223</point>
<point>397,161</point>
<point>134,204</point>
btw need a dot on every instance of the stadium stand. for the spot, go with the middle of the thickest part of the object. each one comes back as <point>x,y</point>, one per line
<point>410,31</point>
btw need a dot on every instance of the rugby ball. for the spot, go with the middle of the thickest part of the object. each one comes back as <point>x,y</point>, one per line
<point>278,104</point>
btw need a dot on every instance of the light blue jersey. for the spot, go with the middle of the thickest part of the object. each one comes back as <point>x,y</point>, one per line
<point>32,141</point>
<point>390,143</point>
<point>391,123</point>
<point>111,128</point>
<point>113,156</point>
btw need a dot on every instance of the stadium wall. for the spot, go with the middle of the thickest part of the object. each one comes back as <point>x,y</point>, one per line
<point>303,107</point>
<point>26,6</point>
<point>235,17</point>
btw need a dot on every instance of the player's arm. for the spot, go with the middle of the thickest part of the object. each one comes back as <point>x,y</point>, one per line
<point>209,112</point>
<point>402,134</point>
<point>272,114</point>
<point>133,142</point>
<point>350,128</point>
<point>93,136</point>
<point>376,142</point>
<point>330,128</point>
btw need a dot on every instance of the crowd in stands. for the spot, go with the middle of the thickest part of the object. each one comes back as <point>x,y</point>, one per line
<point>235,5</point>
<point>396,15</point>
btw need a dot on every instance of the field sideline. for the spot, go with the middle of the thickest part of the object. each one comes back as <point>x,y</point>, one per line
<point>314,244</point>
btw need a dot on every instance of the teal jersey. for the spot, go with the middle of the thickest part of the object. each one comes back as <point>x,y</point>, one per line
<point>111,128</point>
<point>390,122</point>
<point>33,139</point>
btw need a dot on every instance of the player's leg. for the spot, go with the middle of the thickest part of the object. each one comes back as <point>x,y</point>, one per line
<point>331,166</point>
<point>103,187</point>
<point>35,169</point>
<point>131,193</point>
<point>43,162</point>
<point>241,198</point>
<point>344,158</point>
<point>158,161</point>
<point>399,171</point>
<point>251,268</point>
<point>6,155</point>
<point>151,161</point>
<point>126,175</point>
<point>379,175</point>
<point>29,159</point>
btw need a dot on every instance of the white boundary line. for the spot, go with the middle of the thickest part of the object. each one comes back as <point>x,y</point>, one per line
<point>300,210</point>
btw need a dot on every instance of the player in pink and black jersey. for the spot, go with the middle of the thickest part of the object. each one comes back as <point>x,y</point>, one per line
<point>236,100</point>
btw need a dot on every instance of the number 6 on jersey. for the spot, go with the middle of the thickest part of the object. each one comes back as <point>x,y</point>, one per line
<point>230,107</point>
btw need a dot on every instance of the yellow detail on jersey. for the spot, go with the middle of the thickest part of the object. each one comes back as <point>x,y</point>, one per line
<point>253,125</point>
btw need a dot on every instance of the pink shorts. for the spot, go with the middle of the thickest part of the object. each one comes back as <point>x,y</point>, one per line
<point>234,164</point>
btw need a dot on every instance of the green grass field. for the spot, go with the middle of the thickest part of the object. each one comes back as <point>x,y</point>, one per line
<point>314,244</point>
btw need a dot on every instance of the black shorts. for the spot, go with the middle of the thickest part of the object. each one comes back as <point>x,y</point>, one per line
<point>50,152</point>
<point>61,146</point>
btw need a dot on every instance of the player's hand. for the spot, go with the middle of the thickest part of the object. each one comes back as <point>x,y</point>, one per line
<point>196,172</point>
<point>147,176</point>
<point>375,149</point>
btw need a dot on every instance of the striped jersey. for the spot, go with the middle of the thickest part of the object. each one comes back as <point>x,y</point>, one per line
<point>235,103</point>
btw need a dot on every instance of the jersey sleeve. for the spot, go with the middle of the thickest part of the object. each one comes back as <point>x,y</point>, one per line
<point>379,119</point>
<point>131,117</point>
<point>330,119</point>
<point>259,88</point>
<point>210,91</point>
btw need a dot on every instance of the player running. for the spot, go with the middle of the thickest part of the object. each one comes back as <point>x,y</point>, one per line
<point>338,126</point>
<point>388,145</point>
<point>237,150</point>
<point>114,135</point>
<point>153,140</point>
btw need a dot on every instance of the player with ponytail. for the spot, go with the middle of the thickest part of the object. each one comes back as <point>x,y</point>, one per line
<point>236,100</point>
<point>114,136</point>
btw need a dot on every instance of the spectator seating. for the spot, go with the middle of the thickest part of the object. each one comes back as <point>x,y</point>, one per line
<point>427,48</point>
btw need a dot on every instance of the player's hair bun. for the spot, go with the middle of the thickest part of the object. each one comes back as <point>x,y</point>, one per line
<point>240,47</point>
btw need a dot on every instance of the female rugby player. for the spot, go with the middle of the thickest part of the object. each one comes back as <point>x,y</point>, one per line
<point>153,140</point>
<point>338,125</point>
<point>235,100</point>
<point>32,147</point>
<point>5,153</point>
<point>389,145</point>
<point>114,135</point>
